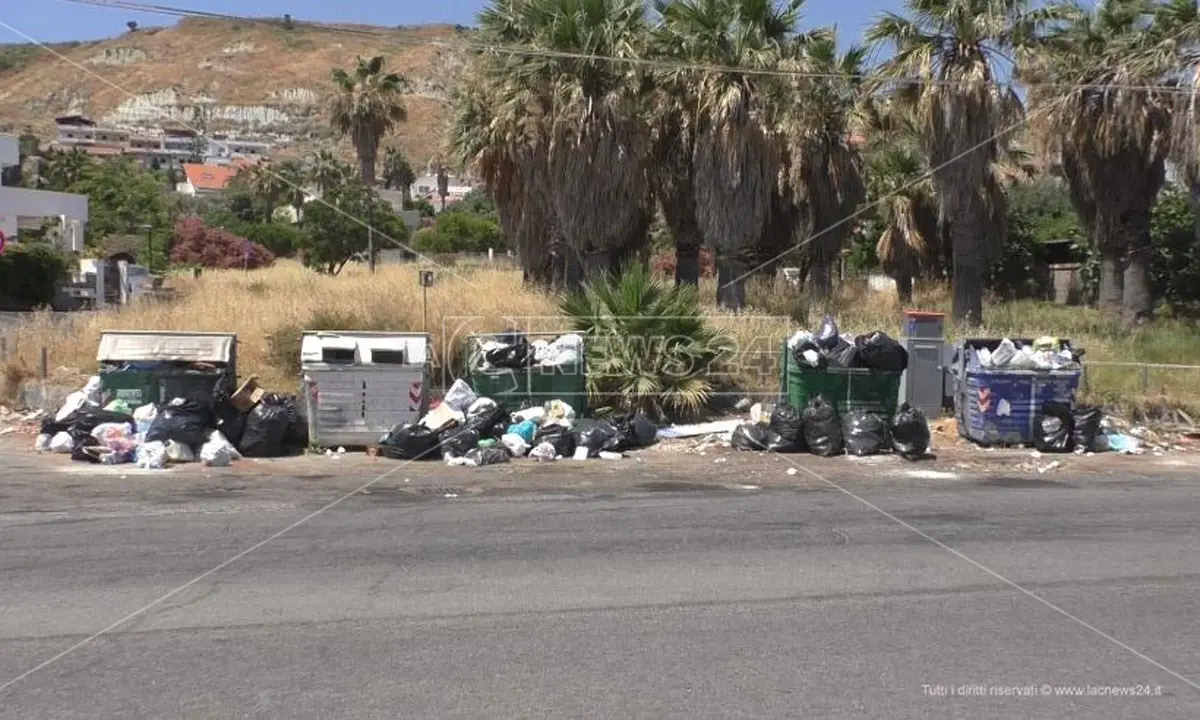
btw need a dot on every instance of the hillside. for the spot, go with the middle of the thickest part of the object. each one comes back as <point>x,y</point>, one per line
<point>250,77</point>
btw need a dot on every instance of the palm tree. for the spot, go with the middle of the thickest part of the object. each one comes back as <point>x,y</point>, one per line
<point>294,178</point>
<point>957,45</point>
<point>368,105</point>
<point>398,173</point>
<point>1111,139</point>
<point>500,130</point>
<point>326,171</point>
<point>443,183</point>
<point>1177,22</point>
<point>900,185</point>
<point>824,168</point>
<point>265,184</point>
<point>727,120</point>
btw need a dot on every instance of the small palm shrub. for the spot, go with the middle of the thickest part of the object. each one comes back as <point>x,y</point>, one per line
<point>648,344</point>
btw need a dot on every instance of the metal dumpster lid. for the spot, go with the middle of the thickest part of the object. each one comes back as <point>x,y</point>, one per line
<point>166,347</point>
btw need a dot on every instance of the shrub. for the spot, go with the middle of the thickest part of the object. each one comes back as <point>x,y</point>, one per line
<point>30,274</point>
<point>648,344</point>
<point>459,232</point>
<point>195,243</point>
<point>281,240</point>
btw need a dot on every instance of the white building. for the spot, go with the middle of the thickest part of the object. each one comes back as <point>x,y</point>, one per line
<point>16,203</point>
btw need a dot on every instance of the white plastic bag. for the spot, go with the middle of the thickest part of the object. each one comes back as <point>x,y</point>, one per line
<point>559,413</point>
<point>460,396</point>
<point>91,391</point>
<point>61,444</point>
<point>144,417</point>
<point>534,415</point>
<point>179,453</point>
<point>75,401</point>
<point>1004,353</point>
<point>481,406</point>
<point>801,337</point>
<point>563,351</point>
<point>42,444</point>
<point>152,456</point>
<point>515,444</point>
<point>105,431</point>
<point>218,451</point>
<point>544,453</point>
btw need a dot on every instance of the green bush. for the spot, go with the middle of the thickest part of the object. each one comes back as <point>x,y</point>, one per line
<point>30,274</point>
<point>459,232</point>
<point>282,240</point>
<point>648,344</point>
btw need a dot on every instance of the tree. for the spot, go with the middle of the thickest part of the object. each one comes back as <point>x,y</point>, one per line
<point>398,173</point>
<point>336,230</point>
<point>326,172</point>
<point>65,169</point>
<point>196,244</point>
<point>727,154</point>
<point>122,196</point>
<point>294,179</point>
<point>1110,137</point>
<point>266,185</point>
<point>956,45</point>
<point>132,25</point>
<point>456,231</point>
<point>443,182</point>
<point>367,106</point>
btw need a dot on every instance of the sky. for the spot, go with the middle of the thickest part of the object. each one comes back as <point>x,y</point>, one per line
<point>55,20</point>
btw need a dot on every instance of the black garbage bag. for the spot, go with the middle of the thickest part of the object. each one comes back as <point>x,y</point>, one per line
<point>558,436</point>
<point>829,335</point>
<point>787,423</point>
<point>458,441</point>
<point>86,448</point>
<point>187,422</point>
<point>865,434</point>
<point>822,428</point>
<point>1087,428</point>
<point>752,436</point>
<point>85,420</point>
<point>490,423</point>
<point>844,355</point>
<point>487,456</point>
<point>635,431</point>
<point>801,361</point>
<point>268,427</point>
<point>514,356</point>
<point>776,443</point>
<point>597,436</point>
<point>878,351</point>
<point>910,433</point>
<point>1053,428</point>
<point>228,419</point>
<point>410,442</point>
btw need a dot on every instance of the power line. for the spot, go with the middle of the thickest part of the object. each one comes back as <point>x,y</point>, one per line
<point>659,63</point>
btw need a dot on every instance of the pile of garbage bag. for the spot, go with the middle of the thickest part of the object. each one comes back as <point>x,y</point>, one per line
<point>1045,353</point>
<point>210,430</point>
<point>829,348</point>
<point>820,430</point>
<point>512,350</point>
<point>467,430</point>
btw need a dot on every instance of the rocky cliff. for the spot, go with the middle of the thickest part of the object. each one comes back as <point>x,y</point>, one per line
<point>223,76</point>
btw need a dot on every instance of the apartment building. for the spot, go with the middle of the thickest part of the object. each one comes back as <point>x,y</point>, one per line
<point>159,147</point>
<point>16,203</point>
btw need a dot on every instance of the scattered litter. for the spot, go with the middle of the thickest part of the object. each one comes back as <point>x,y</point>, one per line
<point>720,427</point>
<point>748,487</point>
<point>792,471</point>
<point>609,455</point>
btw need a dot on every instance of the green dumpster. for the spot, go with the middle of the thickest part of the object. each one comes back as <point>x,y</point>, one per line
<point>515,389</point>
<point>157,367</point>
<point>849,389</point>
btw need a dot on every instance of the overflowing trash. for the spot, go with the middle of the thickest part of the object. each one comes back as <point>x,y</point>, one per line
<point>512,350</point>
<point>209,430</point>
<point>910,433</point>
<point>1045,353</point>
<point>829,348</point>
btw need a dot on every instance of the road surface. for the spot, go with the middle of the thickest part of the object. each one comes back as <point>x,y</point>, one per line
<point>793,602</point>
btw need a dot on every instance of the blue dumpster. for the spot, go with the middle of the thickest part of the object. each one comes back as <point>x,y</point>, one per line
<point>998,407</point>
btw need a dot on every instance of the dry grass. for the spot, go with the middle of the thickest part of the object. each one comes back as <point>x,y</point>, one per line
<point>268,309</point>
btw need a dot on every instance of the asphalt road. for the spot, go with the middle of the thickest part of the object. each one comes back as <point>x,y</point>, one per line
<point>773,603</point>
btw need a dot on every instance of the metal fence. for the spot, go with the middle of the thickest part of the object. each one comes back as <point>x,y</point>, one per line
<point>1144,378</point>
